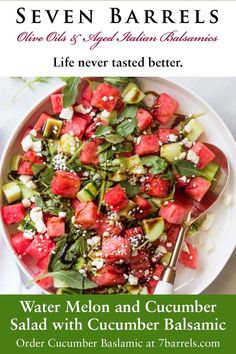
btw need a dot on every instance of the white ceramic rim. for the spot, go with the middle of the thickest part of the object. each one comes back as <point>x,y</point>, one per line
<point>31,111</point>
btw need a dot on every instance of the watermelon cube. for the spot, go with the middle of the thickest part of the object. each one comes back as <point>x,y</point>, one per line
<point>40,247</point>
<point>105,97</point>
<point>76,126</point>
<point>20,243</point>
<point>87,93</point>
<point>156,275</point>
<point>66,184</point>
<point>164,108</point>
<point>189,259</point>
<point>115,198</point>
<point>144,207</point>
<point>172,233</point>
<point>135,236</point>
<point>11,214</point>
<point>173,212</point>
<point>45,283</point>
<point>86,215</point>
<point>109,275</point>
<point>115,249</point>
<point>43,263</point>
<point>104,225</point>
<point>148,145</point>
<point>89,154</point>
<point>41,121</point>
<point>166,135</point>
<point>55,226</point>
<point>30,158</point>
<point>156,186</point>
<point>205,155</point>
<point>90,131</point>
<point>197,188</point>
<point>57,103</point>
<point>144,119</point>
<point>140,265</point>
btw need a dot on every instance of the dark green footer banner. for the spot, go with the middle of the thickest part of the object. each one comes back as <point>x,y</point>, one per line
<point>117,324</point>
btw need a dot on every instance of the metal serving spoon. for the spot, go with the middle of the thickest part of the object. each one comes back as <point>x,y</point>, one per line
<point>196,210</point>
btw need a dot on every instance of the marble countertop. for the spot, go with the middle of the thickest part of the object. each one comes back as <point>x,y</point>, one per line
<point>220,93</point>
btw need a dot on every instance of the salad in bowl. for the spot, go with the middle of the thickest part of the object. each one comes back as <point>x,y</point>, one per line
<point>91,198</point>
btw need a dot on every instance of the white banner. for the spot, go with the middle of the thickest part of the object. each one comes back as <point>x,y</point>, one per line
<point>96,38</point>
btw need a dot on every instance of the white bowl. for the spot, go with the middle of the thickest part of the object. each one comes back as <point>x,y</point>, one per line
<point>222,232</point>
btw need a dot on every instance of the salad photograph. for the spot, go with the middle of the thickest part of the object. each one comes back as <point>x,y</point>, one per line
<point>100,180</point>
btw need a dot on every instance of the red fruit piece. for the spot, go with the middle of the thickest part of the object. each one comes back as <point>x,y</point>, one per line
<point>110,275</point>
<point>57,102</point>
<point>172,233</point>
<point>116,198</point>
<point>144,207</point>
<point>189,260</point>
<point>173,213</point>
<point>45,283</point>
<point>105,97</point>
<point>11,214</point>
<point>140,265</point>
<point>205,155</point>
<point>55,226</point>
<point>25,166</point>
<point>41,121</point>
<point>197,188</point>
<point>86,214</point>
<point>115,249</point>
<point>66,184</point>
<point>144,119</point>
<point>104,225</point>
<point>156,186</point>
<point>147,145</point>
<point>134,236</point>
<point>76,126</point>
<point>90,131</point>
<point>181,181</point>
<point>87,94</point>
<point>89,154</point>
<point>156,275</point>
<point>20,243</point>
<point>43,262</point>
<point>40,247</point>
<point>164,107</point>
<point>166,135</point>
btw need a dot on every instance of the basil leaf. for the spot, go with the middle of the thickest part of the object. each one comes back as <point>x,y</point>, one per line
<point>103,147</point>
<point>37,168</point>
<point>114,138</point>
<point>127,112</point>
<point>39,202</point>
<point>157,164</point>
<point>117,81</point>
<point>104,130</point>
<point>127,127</point>
<point>130,189</point>
<point>69,279</point>
<point>186,168</point>
<point>70,91</point>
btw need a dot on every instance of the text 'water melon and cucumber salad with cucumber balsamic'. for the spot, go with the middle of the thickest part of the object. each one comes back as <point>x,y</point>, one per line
<point>93,192</point>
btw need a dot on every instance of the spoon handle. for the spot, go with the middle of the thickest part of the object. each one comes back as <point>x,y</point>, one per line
<point>165,285</point>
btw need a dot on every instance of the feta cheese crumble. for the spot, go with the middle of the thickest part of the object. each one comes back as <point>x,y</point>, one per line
<point>29,234</point>
<point>132,279</point>
<point>67,113</point>
<point>26,202</point>
<point>80,109</point>
<point>62,214</point>
<point>192,156</point>
<point>36,214</point>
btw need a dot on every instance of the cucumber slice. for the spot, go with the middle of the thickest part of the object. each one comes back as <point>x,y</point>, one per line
<point>12,192</point>
<point>126,211</point>
<point>153,228</point>
<point>134,289</point>
<point>15,162</point>
<point>117,176</point>
<point>79,263</point>
<point>67,144</point>
<point>132,94</point>
<point>88,193</point>
<point>134,165</point>
<point>165,260</point>
<point>195,130</point>
<point>121,163</point>
<point>210,170</point>
<point>52,128</point>
<point>171,152</point>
